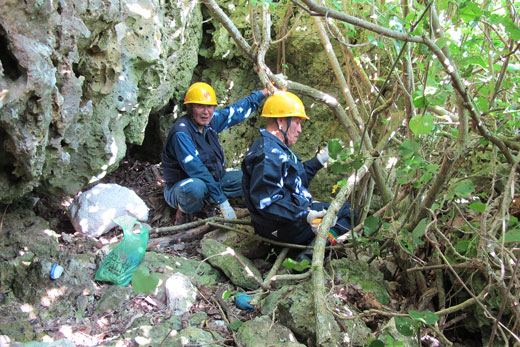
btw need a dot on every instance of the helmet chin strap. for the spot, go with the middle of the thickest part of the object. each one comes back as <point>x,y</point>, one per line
<point>284,132</point>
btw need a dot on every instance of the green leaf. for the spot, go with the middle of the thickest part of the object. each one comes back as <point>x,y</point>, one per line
<point>143,282</point>
<point>464,189</point>
<point>405,242</point>
<point>497,19</point>
<point>470,11</point>
<point>371,224</point>
<point>226,294</point>
<point>477,206</point>
<point>513,30</point>
<point>475,61</point>
<point>409,148</point>
<point>418,232</point>
<point>512,236</point>
<point>342,183</point>
<point>338,168</point>
<point>403,179</point>
<point>443,41</point>
<point>334,148</point>
<point>405,326</point>
<point>482,103</point>
<point>442,4</point>
<point>377,343</point>
<point>426,317</point>
<point>462,246</point>
<point>235,324</point>
<point>336,5</point>
<point>420,101</point>
<point>357,163</point>
<point>421,125</point>
<point>294,265</point>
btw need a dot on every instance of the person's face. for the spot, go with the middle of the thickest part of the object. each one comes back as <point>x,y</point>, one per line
<point>294,129</point>
<point>202,114</point>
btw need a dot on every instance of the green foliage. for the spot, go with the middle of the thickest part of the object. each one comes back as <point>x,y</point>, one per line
<point>425,317</point>
<point>291,264</point>
<point>421,125</point>
<point>410,240</point>
<point>372,223</point>
<point>405,325</point>
<point>236,324</point>
<point>344,159</point>
<point>143,282</point>
<point>464,189</point>
<point>513,231</point>
<point>410,326</point>
<point>477,206</point>
<point>226,295</point>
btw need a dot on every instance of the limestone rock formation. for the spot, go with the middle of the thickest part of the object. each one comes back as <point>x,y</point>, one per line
<point>78,81</point>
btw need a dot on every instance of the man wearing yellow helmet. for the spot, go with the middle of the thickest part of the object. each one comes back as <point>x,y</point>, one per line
<point>193,160</point>
<point>275,181</point>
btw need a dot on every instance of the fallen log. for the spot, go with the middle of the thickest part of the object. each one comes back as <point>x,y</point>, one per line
<point>165,241</point>
<point>195,229</point>
<point>241,213</point>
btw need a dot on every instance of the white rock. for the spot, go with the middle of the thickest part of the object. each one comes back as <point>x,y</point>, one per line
<point>93,211</point>
<point>181,294</point>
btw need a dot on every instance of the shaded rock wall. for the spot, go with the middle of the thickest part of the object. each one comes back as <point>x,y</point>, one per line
<point>78,81</point>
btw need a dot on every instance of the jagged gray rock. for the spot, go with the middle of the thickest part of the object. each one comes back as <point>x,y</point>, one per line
<point>263,332</point>
<point>219,256</point>
<point>181,294</point>
<point>78,81</point>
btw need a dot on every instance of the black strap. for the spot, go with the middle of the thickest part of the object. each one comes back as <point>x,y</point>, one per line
<point>286,130</point>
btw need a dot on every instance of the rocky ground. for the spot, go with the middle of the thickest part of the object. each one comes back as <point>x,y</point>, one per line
<point>146,180</point>
<point>93,320</point>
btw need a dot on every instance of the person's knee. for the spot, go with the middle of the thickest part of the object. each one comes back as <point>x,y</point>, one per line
<point>194,188</point>
<point>232,184</point>
<point>169,197</point>
<point>192,195</point>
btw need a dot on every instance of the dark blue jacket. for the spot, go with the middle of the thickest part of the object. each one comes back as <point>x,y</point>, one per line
<point>189,153</point>
<point>276,183</point>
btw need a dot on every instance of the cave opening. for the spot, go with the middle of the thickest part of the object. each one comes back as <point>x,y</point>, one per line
<point>7,159</point>
<point>11,67</point>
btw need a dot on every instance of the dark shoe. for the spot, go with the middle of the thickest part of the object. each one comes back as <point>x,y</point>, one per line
<point>182,218</point>
<point>207,212</point>
<point>305,255</point>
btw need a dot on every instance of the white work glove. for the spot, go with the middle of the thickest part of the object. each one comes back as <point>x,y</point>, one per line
<point>323,155</point>
<point>313,214</point>
<point>227,210</point>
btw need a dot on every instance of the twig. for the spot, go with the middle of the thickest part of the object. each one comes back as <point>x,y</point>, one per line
<point>445,341</point>
<point>471,265</point>
<point>178,238</point>
<point>190,225</point>
<point>270,275</point>
<point>360,226</point>
<point>291,277</point>
<point>264,239</point>
<point>219,302</point>
<point>503,305</point>
<point>250,273</point>
<point>165,337</point>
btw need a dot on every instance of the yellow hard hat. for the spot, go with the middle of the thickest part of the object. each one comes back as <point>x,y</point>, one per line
<point>200,93</point>
<point>283,104</point>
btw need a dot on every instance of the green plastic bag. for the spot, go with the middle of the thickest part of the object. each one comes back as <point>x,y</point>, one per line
<point>120,264</point>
